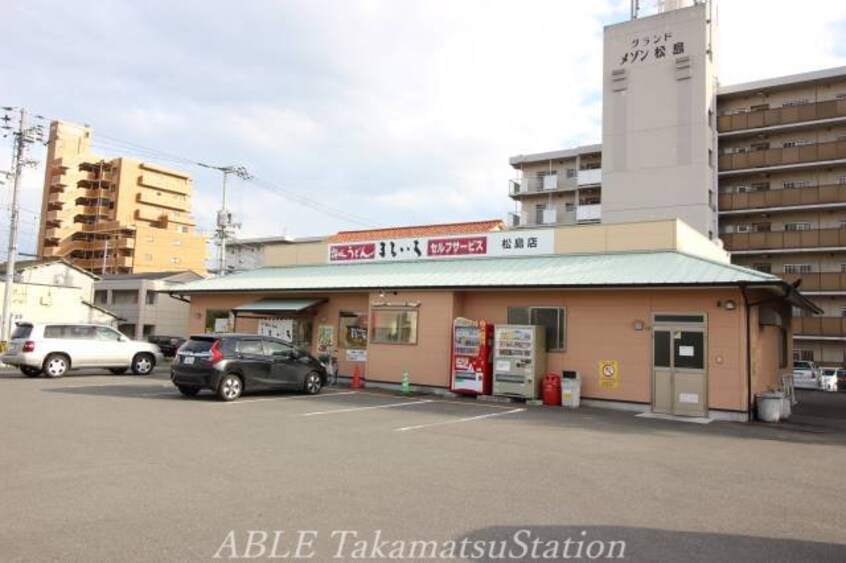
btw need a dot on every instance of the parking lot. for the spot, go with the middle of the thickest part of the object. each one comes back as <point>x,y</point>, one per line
<point>101,467</point>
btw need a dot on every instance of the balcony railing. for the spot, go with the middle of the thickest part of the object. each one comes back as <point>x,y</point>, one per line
<point>589,177</point>
<point>557,216</point>
<point>786,197</point>
<point>832,150</point>
<point>813,238</point>
<point>782,116</point>
<point>544,184</point>
<point>818,281</point>
<point>819,326</point>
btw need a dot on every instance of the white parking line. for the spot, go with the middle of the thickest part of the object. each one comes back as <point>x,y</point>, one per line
<point>456,421</point>
<point>388,406</point>
<point>287,398</point>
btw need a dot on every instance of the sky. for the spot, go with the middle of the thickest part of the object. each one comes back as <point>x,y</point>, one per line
<point>351,114</point>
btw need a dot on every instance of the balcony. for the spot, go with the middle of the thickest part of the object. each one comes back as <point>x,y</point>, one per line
<point>782,116</point>
<point>168,202</point>
<point>833,150</point>
<point>553,183</point>
<point>819,326</point>
<point>588,213</point>
<point>589,177</point>
<point>787,197</point>
<point>557,216</point>
<point>785,240</point>
<point>161,182</point>
<point>818,281</point>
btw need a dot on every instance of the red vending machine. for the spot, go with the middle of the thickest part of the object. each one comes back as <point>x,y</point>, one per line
<point>470,366</point>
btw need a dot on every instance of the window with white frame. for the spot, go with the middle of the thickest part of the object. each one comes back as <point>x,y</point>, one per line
<point>798,226</point>
<point>795,102</point>
<point>841,180</point>
<point>796,184</point>
<point>795,143</point>
<point>798,268</point>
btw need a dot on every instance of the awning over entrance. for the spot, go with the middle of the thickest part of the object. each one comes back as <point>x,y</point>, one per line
<point>278,306</point>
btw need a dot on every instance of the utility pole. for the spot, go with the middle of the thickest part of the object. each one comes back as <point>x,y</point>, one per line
<point>22,137</point>
<point>225,228</point>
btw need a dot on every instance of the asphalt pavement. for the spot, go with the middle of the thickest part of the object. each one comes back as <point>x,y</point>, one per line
<point>122,468</point>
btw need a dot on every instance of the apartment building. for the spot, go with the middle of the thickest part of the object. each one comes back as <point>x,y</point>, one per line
<point>759,167</point>
<point>782,193</point>
<point>115,216</point>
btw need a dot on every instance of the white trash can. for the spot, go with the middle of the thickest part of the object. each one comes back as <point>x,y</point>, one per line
<point>571,389</point>
<point>769,406</point>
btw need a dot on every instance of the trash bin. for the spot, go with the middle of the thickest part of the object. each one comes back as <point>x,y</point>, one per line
<point>769,406</point>
<point>571,389</point>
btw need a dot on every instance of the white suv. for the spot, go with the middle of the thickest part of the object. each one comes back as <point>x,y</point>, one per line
<point>54,348</point>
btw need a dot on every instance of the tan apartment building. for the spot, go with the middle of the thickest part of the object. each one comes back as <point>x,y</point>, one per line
<point>760,167</point>
<point>115,216</point>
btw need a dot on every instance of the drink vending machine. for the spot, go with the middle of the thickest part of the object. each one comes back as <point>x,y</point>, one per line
<point>470,364</point>
<point>519,360</point>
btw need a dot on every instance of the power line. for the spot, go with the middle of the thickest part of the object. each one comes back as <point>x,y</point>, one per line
<point>114,143</point>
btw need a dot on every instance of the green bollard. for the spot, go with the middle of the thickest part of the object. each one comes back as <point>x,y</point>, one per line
<point>406,389</point>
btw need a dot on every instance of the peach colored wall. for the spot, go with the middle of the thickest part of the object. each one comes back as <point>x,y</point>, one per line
<point>599,327</point>
<point>427,361</point>
<point>766,373</point>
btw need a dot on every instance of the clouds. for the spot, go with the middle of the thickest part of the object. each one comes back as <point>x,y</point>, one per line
<point>399,112</point>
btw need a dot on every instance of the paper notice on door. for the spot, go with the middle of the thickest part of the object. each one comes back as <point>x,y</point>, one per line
<point>691,398</point>
<point>686,351</point>
<point>503,365</point>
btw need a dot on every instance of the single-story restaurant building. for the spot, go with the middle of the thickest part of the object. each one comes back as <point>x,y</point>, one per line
<point>652,315</point>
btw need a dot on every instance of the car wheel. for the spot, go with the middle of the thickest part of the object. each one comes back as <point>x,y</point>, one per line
<point>56,365</point>
<point>118,371</point>
<point>230,387</point>
<point>313,383</point>
<point>30,371</point>
<point>188,391</point>
<point>143,364</point>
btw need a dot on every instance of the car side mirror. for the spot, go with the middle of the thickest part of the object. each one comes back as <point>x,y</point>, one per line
<point>123,338</point>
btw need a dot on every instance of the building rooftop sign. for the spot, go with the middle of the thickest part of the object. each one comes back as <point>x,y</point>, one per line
<point>478,245</point>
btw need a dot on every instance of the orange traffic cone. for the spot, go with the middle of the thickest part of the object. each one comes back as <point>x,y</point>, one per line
<point>356,382</point>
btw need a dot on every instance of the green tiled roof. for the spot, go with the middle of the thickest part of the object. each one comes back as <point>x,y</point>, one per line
<point>660,268</point>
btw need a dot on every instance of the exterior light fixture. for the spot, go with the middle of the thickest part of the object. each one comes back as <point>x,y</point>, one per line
<point>730,305</point>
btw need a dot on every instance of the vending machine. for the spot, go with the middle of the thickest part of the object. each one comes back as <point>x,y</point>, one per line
<point>470,363</point>
<point>519,360</point>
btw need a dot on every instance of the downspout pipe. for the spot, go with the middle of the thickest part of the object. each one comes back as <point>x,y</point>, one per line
<point>748,308</point>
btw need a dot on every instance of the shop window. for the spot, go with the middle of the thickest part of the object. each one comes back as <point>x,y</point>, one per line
<point>554,319</point>
<point>352,330</point>
<point>149,330</point>
<point>150,298</point>
<point>394,326</point>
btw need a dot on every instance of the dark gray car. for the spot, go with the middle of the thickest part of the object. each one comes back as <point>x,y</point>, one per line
<point>230,364</point>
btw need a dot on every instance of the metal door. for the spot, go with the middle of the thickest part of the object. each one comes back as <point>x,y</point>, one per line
<point>680,378</point>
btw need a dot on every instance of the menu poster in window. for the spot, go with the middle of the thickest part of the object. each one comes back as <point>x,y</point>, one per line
<point>325,338</point>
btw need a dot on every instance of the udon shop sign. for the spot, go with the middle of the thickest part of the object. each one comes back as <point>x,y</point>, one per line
<point>481,245</point>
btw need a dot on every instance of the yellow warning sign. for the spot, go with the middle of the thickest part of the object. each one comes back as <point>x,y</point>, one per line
<point>609,374</point>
